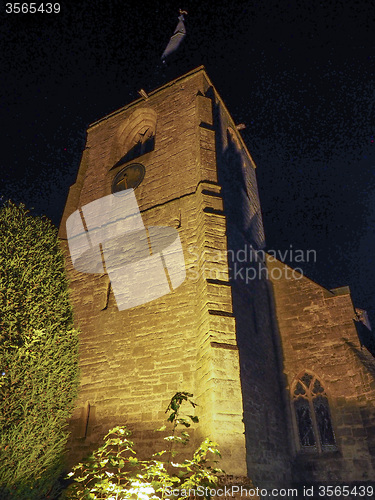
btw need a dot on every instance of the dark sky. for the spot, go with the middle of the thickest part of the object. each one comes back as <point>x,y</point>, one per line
<point>300,75</point>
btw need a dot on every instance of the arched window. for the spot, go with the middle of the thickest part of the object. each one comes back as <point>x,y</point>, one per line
<point>136,136</point>
<point>143,142</point>
<point>312,415</point>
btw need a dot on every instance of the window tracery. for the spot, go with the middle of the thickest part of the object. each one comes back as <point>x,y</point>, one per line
<point>312,415</point>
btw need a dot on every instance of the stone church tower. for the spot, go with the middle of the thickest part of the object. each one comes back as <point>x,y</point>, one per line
<point>274,362</point>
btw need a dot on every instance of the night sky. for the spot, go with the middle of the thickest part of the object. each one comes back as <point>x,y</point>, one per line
<point>299,75</point>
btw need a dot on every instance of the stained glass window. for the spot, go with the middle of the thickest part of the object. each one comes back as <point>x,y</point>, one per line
<point>317,389</point>
<point>306,379</point>
<point>323,420</point>
<point>299,389</point>
<point>312,415</point>
<point>304,422</point>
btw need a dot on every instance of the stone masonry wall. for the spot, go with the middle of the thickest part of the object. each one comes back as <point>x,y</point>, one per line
<point>133,361</point>
<point>236,344</point>
<point>268,458</point>
<point>318,335</point>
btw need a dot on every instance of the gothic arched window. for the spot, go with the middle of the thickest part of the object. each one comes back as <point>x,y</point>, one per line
<point>312,415</point>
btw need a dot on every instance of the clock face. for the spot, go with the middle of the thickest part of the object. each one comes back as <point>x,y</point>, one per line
<point>129,177</point>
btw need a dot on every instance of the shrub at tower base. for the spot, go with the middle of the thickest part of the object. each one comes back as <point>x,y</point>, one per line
<point>114,473</point>
<point>38,356</point>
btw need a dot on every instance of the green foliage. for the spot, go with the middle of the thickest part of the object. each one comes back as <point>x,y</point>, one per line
<point>113,472</point>
<point>174,409</point>
<point>38,355</point>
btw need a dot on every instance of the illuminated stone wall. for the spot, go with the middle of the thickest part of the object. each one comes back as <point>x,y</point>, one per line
<point>318,336</point>
<point>133,361</point>
<point>236,343</point>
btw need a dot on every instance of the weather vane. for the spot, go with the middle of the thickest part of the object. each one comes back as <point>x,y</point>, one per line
<point>177,37</point>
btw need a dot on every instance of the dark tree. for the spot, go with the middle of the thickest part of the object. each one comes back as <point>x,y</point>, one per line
<point>38,355</point>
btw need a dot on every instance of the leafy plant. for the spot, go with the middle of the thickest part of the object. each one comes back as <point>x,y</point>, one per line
<point>38,355</point>
<point>113,472</point>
